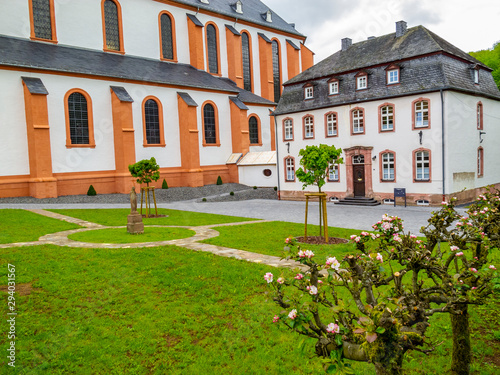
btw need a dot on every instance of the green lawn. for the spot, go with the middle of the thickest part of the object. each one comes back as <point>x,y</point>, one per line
<point>120,235</point>
<point>269,238</point>
<point>26,226</point>
<point>118,217</point>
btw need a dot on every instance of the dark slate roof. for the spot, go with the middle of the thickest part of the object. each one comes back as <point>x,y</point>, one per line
<point>35,85</point>
<point>238,102</point>
<point>415,42</point>
<point>21,54</point>
<point>122,94</point>
<point>187,99</point>
<point>248,97</point>
<point>252,12</point>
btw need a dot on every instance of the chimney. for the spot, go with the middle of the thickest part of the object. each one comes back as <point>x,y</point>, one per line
<point>400,28</point>
<point>346,43</point>
<point>371,37</point>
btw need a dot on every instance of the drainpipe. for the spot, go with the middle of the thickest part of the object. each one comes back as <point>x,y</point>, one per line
<point>442,141</point>
<point>277,153</point>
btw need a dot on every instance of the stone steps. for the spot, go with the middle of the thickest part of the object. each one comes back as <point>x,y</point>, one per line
<point>358,201</point>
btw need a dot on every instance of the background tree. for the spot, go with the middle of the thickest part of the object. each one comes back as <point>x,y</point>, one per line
<point>490,57</point>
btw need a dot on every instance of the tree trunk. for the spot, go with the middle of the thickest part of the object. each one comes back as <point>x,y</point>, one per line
<point>461,357</point>
<point>390,368</point>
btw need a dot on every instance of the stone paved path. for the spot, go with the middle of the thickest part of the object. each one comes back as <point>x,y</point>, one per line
<point>193,243</point>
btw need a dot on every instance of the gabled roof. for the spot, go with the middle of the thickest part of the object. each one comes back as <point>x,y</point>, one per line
<point>416,41</point>
<point>252,12</point>
<point>21,54</point>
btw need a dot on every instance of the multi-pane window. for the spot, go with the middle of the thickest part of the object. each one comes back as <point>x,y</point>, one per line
<point>42,22</point>
<point>276,71</point>
<point>361,83</point>
<point>331,125</point>
<point>112,25</point>
<point>247,67</point>
<point>333,87</point>
<point>333,172</point>
<point>309,127</point>
<point>479,116</point>
<point>480,162</point>
<point>78,119</point>
<point>392,76</point>
<point>421,111</point>
<point>387,118</point>
<point>209,124</point>
<point>213,58</point>
<point>290,169</point>
<point>253,130</point>
<point>388,166</point>
<point>308,92</point>
<point>357,121</point>
<point>288,129</point>
<point>422,165</point>
<point>152,122</point>
<point>167,39</point>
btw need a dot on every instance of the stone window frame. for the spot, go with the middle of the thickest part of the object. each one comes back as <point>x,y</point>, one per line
<point>216,117</point>
<point>287,168</point>
<point>336,124</point>
<point>305,125</point>
<point>415,111</point>
<point>358,118</point>
<point>121,49</point>
<point>381,118</point>
<point>285,139</point>
<point>416,166</point>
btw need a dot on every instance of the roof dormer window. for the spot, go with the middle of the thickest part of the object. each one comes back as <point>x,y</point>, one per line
<point>238,7</point>
<point>476,76</point>
<point>268,16</point>
<point>308,92</point>
<point>361,81</point>
<point>205,1</point>
<point>333,86</point>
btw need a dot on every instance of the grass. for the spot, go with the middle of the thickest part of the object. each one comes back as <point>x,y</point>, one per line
<point>269,238</point>
<point>117,217</point>
<point>120,235</point>
<point>26,226</point>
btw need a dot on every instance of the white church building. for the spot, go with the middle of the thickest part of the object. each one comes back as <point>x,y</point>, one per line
<point>88,87</point>
<point>409,110</point>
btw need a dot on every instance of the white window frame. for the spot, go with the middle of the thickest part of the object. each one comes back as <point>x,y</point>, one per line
<point>331,125</point>
<point>476,76</point>
<point>392,76</point>
<point>388,171</point>
<point>333,173</point>
<point>362,82</point>
<point>358,120</point>
<point>334,87</point>
<point>422,166</point>
<point>308,127</point>
<point>288,125</point>
<point>421,113</point>
<point>290,169</point>
<point>387,118</point>
<point>309,92</point>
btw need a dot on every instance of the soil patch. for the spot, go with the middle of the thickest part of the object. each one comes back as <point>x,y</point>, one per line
<point>318,240</point>
<point>153,216</point>
<point>21,289</point>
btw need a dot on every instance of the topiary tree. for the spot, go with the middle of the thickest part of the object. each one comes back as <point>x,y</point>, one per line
<point>164,184</point>
<point>145,171</point>
<point>219,180</point>
<point>91,191</point>
<point>315,165</point>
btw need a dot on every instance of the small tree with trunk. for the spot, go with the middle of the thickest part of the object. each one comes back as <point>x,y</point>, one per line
<point>315,165</point>
<point>146,171</point>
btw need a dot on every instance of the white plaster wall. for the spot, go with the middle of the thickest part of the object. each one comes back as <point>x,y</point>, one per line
<point>463,141</point>
<point>403,141</point>
<point>14,149</point>
<point>14,18</point>
<point>252,175</point>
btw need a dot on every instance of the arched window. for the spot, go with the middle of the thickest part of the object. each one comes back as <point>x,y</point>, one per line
<point>167,34</point>
<point>479,116</point>
<point>247,65</point>
<point>79,122</point>
<point>421,113</point>
<point>112,26</point>
<point>212,49</point>
<point>42,19</point>
<point>153,125</point>
<point>480,162</point>
<point>331,128</point>
<point>308,131</point>
<point>333,173</point>
<point>253,130</point>
<point>386,118</point>
<point>276,71</point>
<point>210,133</point>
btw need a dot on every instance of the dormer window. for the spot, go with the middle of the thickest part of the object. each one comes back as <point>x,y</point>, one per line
<point>476,76</point>
<point>361,81</point>
<point>392,74</point>
<point>333,87</point>
<point>268,16</point>
<point>308,92</point>
<point>238,7</point>
<point>204,1</point>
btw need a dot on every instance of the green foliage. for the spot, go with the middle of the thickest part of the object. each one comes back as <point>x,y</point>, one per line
<point>204,200</point>
<point>275,188</point>
<point>91,191</point>
<point>145,171</point>
<point>490,57</point>
<point>231,193</point>
<point>164,184</point>
<point>219,180</point>
<point>315,161</point>
<point>255,187</point>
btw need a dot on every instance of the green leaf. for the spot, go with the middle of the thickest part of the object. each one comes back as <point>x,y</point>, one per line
<point>380,330</point>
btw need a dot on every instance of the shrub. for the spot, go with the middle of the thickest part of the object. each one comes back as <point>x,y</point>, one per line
<point>91,191</point>
<point>219,181</point>
<point>275,188</point>
<point>231,193</point>
<point>255,187</point>
<point>164,184</point>
<point>204,200</point>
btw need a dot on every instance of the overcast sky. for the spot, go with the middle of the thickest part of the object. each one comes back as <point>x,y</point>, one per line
<point>470,25</point>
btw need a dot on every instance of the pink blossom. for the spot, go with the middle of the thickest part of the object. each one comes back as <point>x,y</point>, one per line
<point>459,254</point>
<point>379,257</point>
<point>308,254</point>
<point>334,263</point>
<point>353,236</point>
<point>473,270</point>
<point>364,233</point>
<point>357,239</point>
<point>492,267</point>
<point>333,328</point>
<point>413,236</point>
<point>386,226</point>
<point>280,280</point>
<point>444,203</point>
<point>312,290</point>
<point>301,254</point>
<point>276,318</point>
<point>320,281</point>
<point>299,276</point>
<point>474,287</point>
<point>454,248</point>
<point>293,314</point>
<point>268,277</point>
<point>287,240</point>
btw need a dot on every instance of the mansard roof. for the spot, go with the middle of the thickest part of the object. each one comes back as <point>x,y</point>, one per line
<point>24,54</point>
<point>252,12</point>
